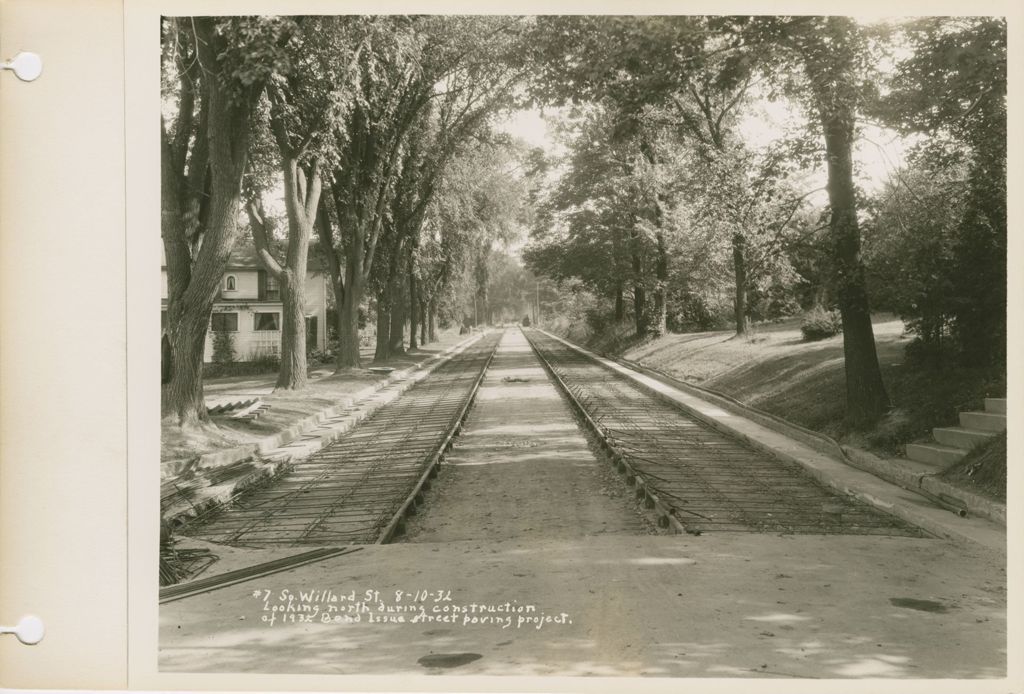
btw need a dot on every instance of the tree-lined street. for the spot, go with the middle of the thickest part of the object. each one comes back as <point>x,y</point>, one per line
<point>686,332</point>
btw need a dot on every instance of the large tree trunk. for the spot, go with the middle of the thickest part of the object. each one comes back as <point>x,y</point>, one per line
<point>620,304</point>
<point>423,320</point>
<point>481,272</point>
<point>866,399</point>
<point>396,339</point>
<point>383,346</point>
<point>660,326</point>
<point>206,185</point>
<point>739,264</point>
<point>338,282</point>
<point>348,314</point>
<point>184,392</point>
<point>819,297</point>
<point>339,300</point>
<point>639,309</point>
<point>432,321</point>
<point>292,375</point>
<point>348,328</point>
<point>188,320</point>
<point>301,202</point>
<point>639,295</point>
<point>414,306</point>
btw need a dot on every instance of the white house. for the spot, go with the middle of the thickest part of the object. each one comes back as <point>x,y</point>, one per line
<point>249,306</point>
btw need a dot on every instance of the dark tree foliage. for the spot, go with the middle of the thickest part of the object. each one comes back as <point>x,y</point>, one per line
<point>953,89</point>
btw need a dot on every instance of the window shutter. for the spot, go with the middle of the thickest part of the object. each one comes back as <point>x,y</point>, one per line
<point>261,285</point>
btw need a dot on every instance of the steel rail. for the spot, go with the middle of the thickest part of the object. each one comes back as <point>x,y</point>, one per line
<point>206,585</point>
<point>687,469</point>
<point>361,486</point>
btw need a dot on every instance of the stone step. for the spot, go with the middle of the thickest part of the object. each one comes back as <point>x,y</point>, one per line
<point>964,439</point>
<point>934,454</point>
<point>984,421</point>
<point>995,405</point>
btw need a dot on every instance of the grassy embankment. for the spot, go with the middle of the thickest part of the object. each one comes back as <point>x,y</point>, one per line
<point>776,371</point>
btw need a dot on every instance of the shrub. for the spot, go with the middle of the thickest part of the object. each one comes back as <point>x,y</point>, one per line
<point>597,319</point>
<point>776,302</point>
<point>223,347</point>
<point>819,324</point>
<point>263,359</point>
<point>321,356</point>
<point>692,313</point>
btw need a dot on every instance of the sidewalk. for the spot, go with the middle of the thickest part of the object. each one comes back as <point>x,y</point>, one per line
<point>831,470</point>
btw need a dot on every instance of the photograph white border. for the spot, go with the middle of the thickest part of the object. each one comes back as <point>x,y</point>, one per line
<point>141,32</point>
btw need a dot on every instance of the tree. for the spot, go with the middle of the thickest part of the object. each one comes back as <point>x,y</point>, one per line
<point>745,197</point>
<point>481,202</point>
<point>369,143</point>
<point>306,100</point>
<point>660,73</point>
<point>909,246</point>
<point>832,55</point>
<point>654,61</point>
<point>478,85</point>
<point>595,224</point>
<point>952,87</point>
<point>511,290</point>
<point>212,83</point>
<point>414,58</point>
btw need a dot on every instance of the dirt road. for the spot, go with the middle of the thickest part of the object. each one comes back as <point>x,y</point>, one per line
<point>529,557</point>
<point>522,468</point>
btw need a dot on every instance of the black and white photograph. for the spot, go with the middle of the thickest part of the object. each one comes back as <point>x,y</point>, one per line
<point>587,346</point>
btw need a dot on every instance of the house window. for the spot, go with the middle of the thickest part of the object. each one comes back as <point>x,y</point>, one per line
<point>266,321</point>
<point>229,283</point>
<point>227,322</point>
<point>273,289</point>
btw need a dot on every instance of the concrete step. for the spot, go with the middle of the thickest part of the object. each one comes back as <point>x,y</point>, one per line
<point>964,439</point>
<point>934,454</point>
<point>984,421</point>
<point>995,405</point>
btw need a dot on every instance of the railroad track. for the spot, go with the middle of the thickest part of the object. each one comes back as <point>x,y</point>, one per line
<point>359,489</point>
<point>694,477</point>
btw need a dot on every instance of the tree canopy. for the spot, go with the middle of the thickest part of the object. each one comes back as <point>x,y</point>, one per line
<point>381,143</point>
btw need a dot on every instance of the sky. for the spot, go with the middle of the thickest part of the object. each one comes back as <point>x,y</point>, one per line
<point>879,152</point>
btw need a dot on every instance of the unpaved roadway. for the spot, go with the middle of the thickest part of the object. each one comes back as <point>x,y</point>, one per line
<point>522,467</point>
<point>530,558</point>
